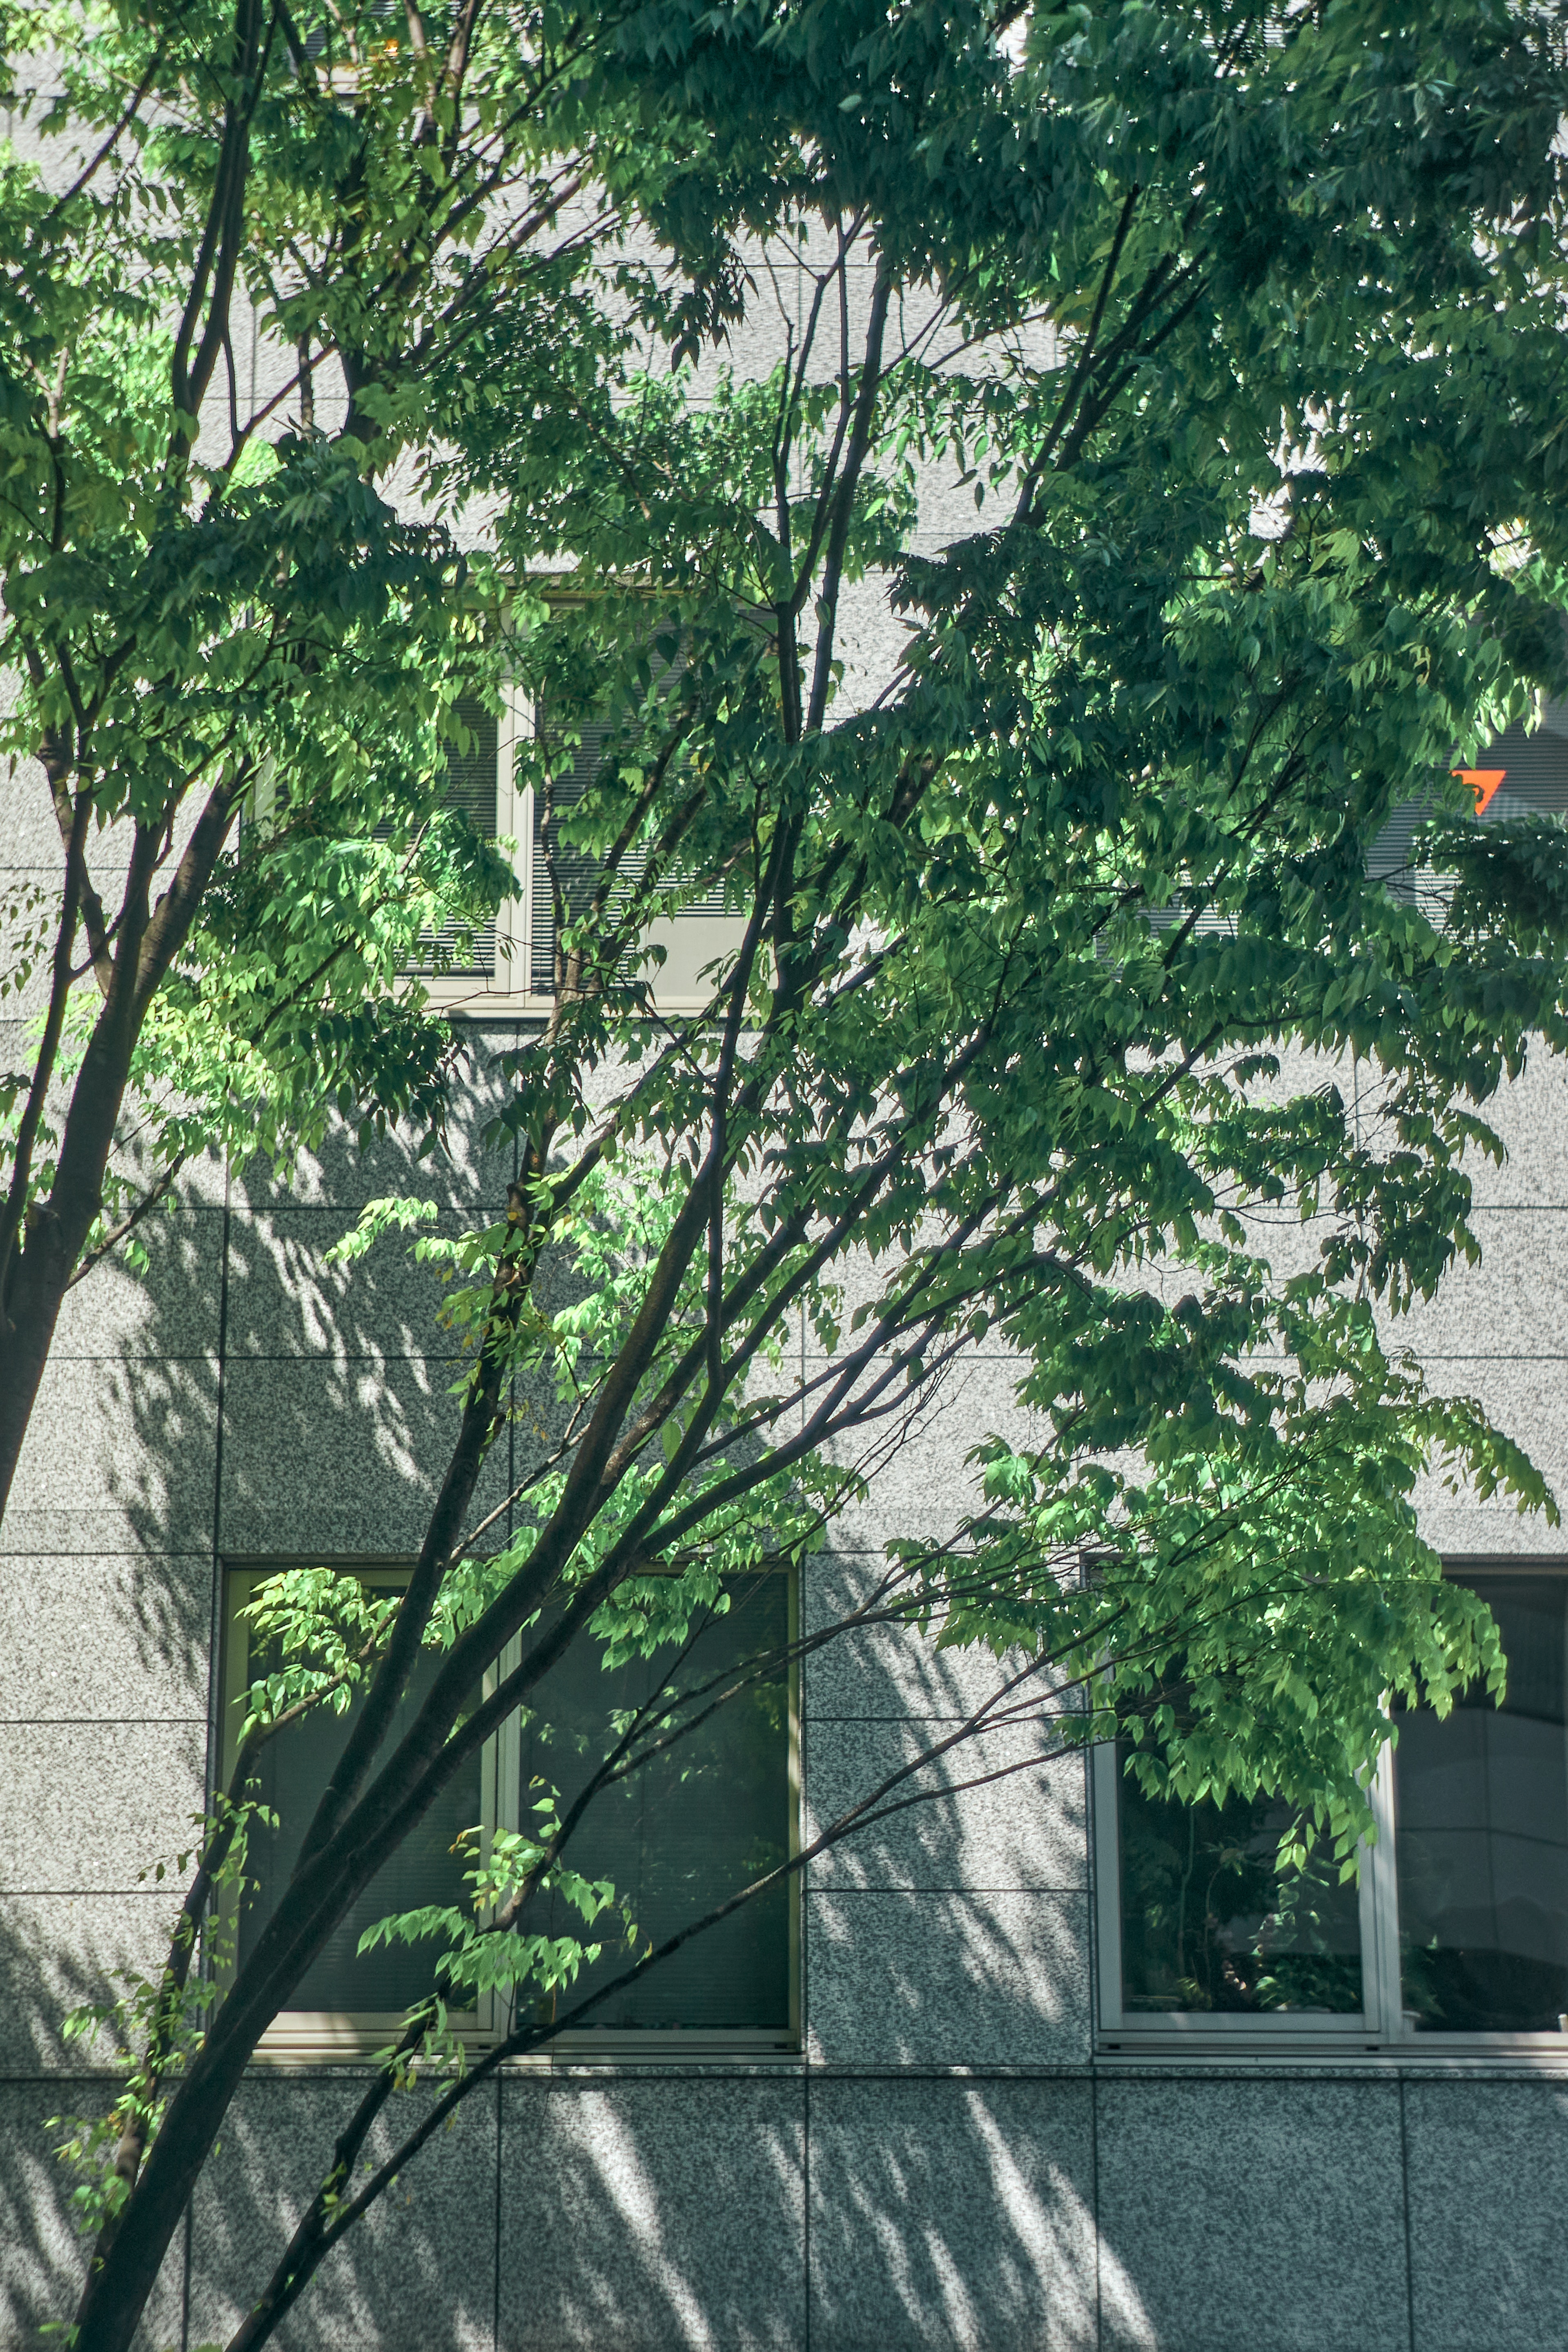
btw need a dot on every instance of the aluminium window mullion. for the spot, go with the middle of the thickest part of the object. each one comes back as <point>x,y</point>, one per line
<point>1380,1907</point>
<point>1107,1850</point>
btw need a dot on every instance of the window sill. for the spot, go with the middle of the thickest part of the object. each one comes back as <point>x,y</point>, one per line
<point>310,2038</point>
<point>1363,2053</point>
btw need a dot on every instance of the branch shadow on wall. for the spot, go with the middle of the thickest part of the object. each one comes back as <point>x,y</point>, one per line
<point>593,2204</point>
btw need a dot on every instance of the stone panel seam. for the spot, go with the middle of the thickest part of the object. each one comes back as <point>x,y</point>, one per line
<point>1404,2203</point>
<point>495,2296</point>
<point>215,1622</point>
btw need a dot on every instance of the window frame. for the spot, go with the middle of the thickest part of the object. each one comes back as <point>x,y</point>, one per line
<point>1381,2028</point>
<point>509,990</point>
<point>302,2037</point>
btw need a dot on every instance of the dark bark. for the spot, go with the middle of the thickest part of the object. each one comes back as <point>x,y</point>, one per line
<point>48,1242</point>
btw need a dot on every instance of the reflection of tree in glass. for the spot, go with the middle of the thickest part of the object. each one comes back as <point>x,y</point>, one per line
<point>1481,1797</point>
<point>1209,1921</point>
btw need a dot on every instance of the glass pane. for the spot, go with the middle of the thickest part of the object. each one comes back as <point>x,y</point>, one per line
<point>473,785</point>
<point>1481,1841</point>
<point>1209,1923</point>
<point>293,1770</point>
<point>683,1832</point>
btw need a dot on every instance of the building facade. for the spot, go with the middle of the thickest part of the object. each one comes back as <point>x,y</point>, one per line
<point>1023,2074</point>
<point>1037,2079</point>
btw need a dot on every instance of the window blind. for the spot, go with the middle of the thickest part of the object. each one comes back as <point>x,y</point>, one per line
<point>685,1832</point>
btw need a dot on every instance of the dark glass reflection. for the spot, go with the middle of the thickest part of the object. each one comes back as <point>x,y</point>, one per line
<point>683,1832</point>
<point>1210,1923</point>
<point>293,1770</point>
<point>1481,1837</point>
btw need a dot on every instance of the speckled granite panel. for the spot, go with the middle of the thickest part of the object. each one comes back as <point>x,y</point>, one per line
<point>171,1310</point>
<point>951,2215</point>
<point>1489,2193</point>
<point>104,1637</point>
<point>874,1670</point>
<point>640,2216</point>
<point>43,2258</point>
<point>119,1458</point>
<point>1514,1304</point>
<point>418,2271</point>
<point>1249,2216</point>
<point>58,1952</point>
<point>89,1806</point>
<point>993,1816</point>
<point>338,1459</point>
<point>285,1300</point>
<point>339,1173</point>
<point>928,1486</point>
<point>948,1979</point>
<point>1530,1115</point>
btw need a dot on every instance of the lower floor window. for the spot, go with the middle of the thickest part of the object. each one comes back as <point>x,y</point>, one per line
<point>708,1816</point>
<point>1458,1924</point>
<point>1480,1803</point>
<point>711,1811</point>
<point>1209,1926</point>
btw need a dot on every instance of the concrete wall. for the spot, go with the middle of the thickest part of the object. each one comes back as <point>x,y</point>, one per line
<point>947,2165</point>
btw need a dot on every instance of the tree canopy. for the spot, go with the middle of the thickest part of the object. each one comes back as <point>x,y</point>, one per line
<point>1239,334</point>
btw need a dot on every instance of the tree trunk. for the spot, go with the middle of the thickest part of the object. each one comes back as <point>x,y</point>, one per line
<point>57,1229</point>
<point>39,1276</point>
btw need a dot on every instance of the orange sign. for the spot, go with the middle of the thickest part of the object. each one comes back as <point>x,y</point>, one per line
<point>1482,782</point>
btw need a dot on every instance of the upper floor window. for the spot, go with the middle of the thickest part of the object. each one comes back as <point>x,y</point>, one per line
<point>1458,1925</point>
<point>512,965</point>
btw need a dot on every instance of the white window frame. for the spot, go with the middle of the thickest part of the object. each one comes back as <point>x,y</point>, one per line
<point>299,2037</point>
<point>1381,2028</point>
<point>691,943</point>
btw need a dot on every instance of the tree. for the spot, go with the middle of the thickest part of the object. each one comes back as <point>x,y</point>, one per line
<point>1245,330</point>
<point>210,603</point>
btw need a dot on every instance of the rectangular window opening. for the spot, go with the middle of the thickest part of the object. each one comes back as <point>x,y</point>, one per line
<point>1454,1939</point>
<point>1211,1926</point>
<point>372,1988</point>
<point>714,1811</point>
<point>710,1814</point>
<point>1481,1834</point>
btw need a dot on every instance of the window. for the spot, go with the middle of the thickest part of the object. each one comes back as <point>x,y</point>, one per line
<point>1458,1927</point>
<point>512,967</point>
<point>712,1813</point>
<point>715,1809</point>
<point>1481,1843</point>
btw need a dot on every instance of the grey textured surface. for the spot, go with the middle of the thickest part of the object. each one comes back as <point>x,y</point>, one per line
<point>1489,2192</point>
<point>1530,1115</point>
<point>419,2271</point>
<point>1024,1830</point>
<point>951,2214</point>
<point>1528,1400</point>
<point>106,1636</point>
<point>1244,2215</point>
<point>173,1310</point>
<point>43,2257</point>
<point>928,1486</point>
<point>1514,1304</point>
<point>947,1980</point>
<point>89,1806</point>
<point>58,1952</point>
<point>330,1459</point>
<point>285,1300</point>
<point>340,1174</point>
<point>879,1670</point>
<point>643,2216</point>
<point>119,1458</point>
